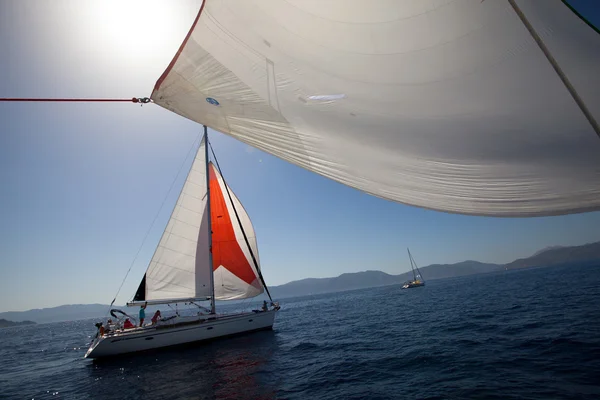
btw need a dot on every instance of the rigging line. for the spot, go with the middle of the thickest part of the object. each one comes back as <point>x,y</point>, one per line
<point>240,223</point>
<point>142,100</point>
<point>156,217</point>
<point>416,267</point>
<point>586,112</point>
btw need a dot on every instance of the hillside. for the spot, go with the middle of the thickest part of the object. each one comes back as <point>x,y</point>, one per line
<point>559,255</point>
<point>440,271</point>
<point>359,280</point>
<point>549,256</point>
<point>68,312</point>
<point>348,281</point>
<point>546,249</point>
<point>7,324</point>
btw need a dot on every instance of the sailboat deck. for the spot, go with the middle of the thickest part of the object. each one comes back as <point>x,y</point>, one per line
<point>183,332</point>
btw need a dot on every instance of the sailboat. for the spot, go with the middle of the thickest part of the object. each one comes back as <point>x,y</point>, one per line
<point>486,108</point>
<point>207,252</point>
<point>417,277</point>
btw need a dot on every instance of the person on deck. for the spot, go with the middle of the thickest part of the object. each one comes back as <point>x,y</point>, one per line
<point>127,324</point>
<point>143,313</point>
<point>264,306</point>
<point>156,317</point>
<point>107,326</point>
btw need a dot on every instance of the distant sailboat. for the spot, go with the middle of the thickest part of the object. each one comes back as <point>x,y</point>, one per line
<point>190,265</point>
<point>417,277</point>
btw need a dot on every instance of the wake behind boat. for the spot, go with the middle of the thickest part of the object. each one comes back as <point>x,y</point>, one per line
<point>191,264</point>
<point>417,278</point>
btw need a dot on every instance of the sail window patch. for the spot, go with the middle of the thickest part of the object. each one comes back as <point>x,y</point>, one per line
<point>212,101</point>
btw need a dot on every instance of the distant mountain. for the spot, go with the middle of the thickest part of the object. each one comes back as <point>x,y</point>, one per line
<point>546,257</point>
<point>552,255</point>
<point>440,271</point>
<point>7,324</point>
<point>68,312</point>
<point>559,255</point>
<point>360,280</point>
<point>546,249</point>
<point>348,281</point>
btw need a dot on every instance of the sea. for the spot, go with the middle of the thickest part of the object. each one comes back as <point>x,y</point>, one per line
<point>518,334</point>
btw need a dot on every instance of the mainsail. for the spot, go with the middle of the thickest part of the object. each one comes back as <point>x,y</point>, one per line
<point>447,105</point>
<point>414,268</point>
<point>180,268</point>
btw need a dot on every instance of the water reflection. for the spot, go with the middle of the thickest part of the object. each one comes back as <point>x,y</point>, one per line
<point>235,368</point>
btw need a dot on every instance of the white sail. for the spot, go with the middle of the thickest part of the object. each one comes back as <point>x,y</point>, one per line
<point>180,267</point>
<point>447,105</point>
<point>235,252</point>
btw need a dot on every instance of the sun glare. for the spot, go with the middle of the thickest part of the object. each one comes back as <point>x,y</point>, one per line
<point>135,26</point>
<point>143,30</point>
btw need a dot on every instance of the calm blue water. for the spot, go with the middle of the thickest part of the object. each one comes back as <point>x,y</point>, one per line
<point>532,334</point>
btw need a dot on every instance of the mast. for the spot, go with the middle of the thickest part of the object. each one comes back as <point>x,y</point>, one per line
<point>411,264</point>
<point>210,256</point>
<point>586,112</point>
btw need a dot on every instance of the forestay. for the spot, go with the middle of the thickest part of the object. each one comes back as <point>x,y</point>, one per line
<point>447,105</point>
<point>180,267</point>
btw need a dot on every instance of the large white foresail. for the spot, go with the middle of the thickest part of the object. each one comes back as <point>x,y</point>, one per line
<point>180,267</point>
<point>447,105</point>
<point>235,252</point>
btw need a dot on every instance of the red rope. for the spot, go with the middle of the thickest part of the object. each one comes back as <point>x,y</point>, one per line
<point>132,100</point>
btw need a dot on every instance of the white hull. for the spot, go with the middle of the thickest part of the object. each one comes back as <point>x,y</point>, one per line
<point>148,338</point>
<point>412,285</point>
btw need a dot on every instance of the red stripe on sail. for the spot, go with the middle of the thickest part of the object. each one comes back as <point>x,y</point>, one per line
<point>226,250</point>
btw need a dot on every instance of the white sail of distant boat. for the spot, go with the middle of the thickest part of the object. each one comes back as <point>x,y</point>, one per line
<point>466,106</point>
<point>417,280</point>
<point>192,265</point>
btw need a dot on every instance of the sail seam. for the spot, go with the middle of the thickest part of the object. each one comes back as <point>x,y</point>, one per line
<point>170,283</point>
<point>179,236</point>
<point>189,209</point>
<point>185,222</point>
<point>171,266</point>
<point>196,184</point>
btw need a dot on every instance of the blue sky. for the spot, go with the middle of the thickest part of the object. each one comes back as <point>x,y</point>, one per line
<point>81,183</point>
